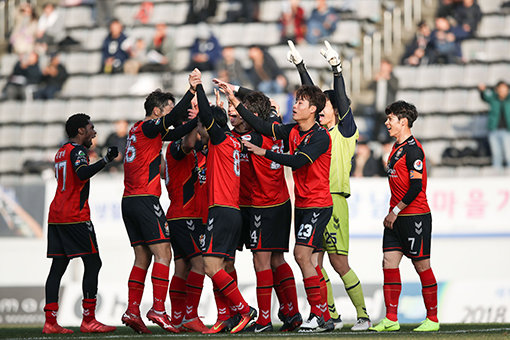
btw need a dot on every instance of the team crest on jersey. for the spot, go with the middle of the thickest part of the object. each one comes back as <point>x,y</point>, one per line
<point>418,164</point>
<point>77,162</point>
<point>81,153</point>
<point>307,139</point>
<point>157,121</point>
<point>246,138</point>
<point>399,152</point>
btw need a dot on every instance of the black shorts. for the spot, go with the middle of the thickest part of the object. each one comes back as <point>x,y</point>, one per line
<point>188,237</point>
<point>71,240</point>
<point>222,232</point>
<point>270,228</point>
<point>410,235</point>
<point>309,226</point>
<point>145,220</point>
<point>244,239</point>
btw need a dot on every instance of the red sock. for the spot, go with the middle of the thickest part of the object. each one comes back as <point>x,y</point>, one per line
<point>89,309</point>
<point>228,287</point>
<point>194,286</point>
<point>135,289</point>
<point>282,299</point>
<point>231,306</point>
<point>429,292</point>
<point>392,287</point>
<point>221,304</point>
<point>286,278</point>
<point>50,311</point>
<point>264,290</point>
<point>233,274</point>
<point>324,294</point>
<point>313,294</point>
<point>177,293</point>
<point>159,280</point>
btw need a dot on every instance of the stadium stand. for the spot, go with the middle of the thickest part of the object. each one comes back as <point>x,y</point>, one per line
<point>454,116</point>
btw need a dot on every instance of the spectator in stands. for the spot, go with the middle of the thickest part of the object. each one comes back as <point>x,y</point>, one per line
<point>53,78</point>
<point>415,53</point>
<point>230,69</point>
<point>293,23</point>
<point>118,138</point>
<point>468,16</point>
<point>161,51</point>
<point>50,28</point>
<point>385,85</point>
<point>24,78</point>
<point>205,51</point>
<point>265,74</point>
<point>137,57</point>
<point>243,11</point>
<point>445,8</point>
<point>444,47</point>
<point>144,14</point>
<point>365,164</point>
<point>201,10</point>
<point>322,22</point>
<point>498,122</point>
<point>23,35</point>
<point>115,49</point>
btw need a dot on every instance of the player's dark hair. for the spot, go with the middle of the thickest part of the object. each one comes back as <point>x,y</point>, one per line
<point>501,82</point>
<point>159,99</point>
<point>330,94</point>
<point>314,95</point>
<point>220,116</point>
<point>76,121</point>
<point>403,109</point>
<point>259,103</point>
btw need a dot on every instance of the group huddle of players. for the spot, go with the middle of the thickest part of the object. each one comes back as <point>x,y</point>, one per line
<point>227,190</point>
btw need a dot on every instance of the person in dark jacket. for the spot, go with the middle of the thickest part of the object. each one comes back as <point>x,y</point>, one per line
<point>115,49</point>
<point>53,78</point>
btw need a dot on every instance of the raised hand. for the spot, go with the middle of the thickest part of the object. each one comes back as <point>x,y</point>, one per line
<point>331,57</point>
<point>195,78</point>
<point>219,102</point>
<point>111,154</point>
<point>293,55</point>
<point>253,148</point>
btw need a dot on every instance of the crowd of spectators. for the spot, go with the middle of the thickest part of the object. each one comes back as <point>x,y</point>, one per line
<point>455,21</point>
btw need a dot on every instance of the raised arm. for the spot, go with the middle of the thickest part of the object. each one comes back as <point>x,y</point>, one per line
<point>295,58</point>
<point>180,131</point>
<point>81,166</point>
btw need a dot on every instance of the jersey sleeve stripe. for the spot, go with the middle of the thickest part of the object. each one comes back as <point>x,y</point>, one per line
<point>309,158</point>
<point>210,126</point>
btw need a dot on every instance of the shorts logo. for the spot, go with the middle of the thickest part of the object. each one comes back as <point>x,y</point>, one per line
<point>190,225</point>
<point>418,228</point>
<point>157,210</point>
<point>201,240</point>
<point>210,224</point>
<point>167,229</point>
<point>315,217</point>
<point>418,164</point>
<point>257,222</point>
<point>90,227</point>
<point>336,223</point>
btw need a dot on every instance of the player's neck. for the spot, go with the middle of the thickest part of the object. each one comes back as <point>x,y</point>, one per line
<point>401,138</point>
<point>305,125</point>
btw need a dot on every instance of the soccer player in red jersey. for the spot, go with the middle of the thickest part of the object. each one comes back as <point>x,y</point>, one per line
<point>310,156</point>
<point>186,185</point>
<point>70,232</point>
<point>141,211</point>
<point>224,218</point>
<point>338,118</point>
<point>408,225</point>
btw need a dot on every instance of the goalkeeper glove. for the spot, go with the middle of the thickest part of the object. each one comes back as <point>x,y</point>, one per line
<point>293,55</point>
<point>332,57</point>
<point>112,152</point>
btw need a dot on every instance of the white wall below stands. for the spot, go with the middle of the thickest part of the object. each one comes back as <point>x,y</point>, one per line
<point>470,254</point>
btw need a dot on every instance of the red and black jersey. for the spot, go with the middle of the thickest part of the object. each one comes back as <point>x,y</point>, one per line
<point>142,161</point>
<point>270,177</point>
<point>70,204</point>
<point>185,183</point>
<point>248,184</point>
<point>223,172</point>
<point>311,181</point>
<point>405,160</point>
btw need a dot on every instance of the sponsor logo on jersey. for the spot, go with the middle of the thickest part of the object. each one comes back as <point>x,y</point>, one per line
<point>399,152</point>
<point>246,138</point>
<point>418,164</point>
